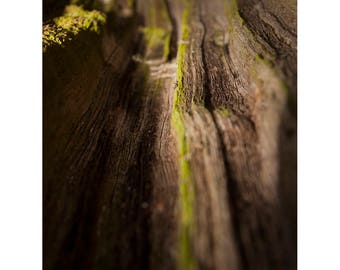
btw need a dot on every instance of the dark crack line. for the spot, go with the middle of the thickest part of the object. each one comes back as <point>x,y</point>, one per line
<point>277,18</point>
<point>231,183</point>
<point>206,79</point>
<point>173,39</point>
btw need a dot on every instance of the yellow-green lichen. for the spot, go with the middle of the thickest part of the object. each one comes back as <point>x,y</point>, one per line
<point>186,197</point>
<point>74,20</point>
<point>186,258</point>
<point>224,112</point>
<point>157,33</point>
<point>179,93</point>
<point>154,36</point>
<point>167,46</point>
<point>231,10</point>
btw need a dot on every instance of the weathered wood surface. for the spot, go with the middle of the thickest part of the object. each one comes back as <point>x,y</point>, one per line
<point>174,145</point>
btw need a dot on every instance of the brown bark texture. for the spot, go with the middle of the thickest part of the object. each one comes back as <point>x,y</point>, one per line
<point>170,139</point>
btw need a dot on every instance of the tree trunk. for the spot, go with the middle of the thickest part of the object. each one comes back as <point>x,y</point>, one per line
<point>170,139</point>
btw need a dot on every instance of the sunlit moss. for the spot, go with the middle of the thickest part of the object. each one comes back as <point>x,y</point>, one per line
<point>74,20</point>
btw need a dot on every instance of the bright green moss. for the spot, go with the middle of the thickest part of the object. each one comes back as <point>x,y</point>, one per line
<point>186,259</point>
<point>179,93</point>
<point>180,132</point>
<point>74,20</point>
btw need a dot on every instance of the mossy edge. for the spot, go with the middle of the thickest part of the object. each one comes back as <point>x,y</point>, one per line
<point>74,20</point>
<point>186,259</point>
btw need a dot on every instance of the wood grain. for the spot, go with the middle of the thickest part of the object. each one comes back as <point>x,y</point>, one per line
<point>170,143</point>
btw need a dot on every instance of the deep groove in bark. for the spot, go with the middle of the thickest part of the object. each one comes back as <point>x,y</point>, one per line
<point>231,186</point>
<point>206,82</point>
<point>173,39</point>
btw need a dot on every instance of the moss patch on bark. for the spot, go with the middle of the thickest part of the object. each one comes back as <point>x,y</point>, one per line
<point>74,21</point>
<point>186,259</point>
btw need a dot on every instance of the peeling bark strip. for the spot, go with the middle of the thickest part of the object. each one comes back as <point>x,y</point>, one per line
<point>170,139</point>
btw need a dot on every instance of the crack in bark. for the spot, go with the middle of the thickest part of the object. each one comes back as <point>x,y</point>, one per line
<point>174,31</point>
<point>231,184</point>
<point>206,82</point>
<point>277,18</point>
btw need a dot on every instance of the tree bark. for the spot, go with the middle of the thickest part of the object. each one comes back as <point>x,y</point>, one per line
<point>170,139</point>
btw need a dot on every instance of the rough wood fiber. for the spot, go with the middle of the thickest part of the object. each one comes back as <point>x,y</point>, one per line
<point>171,143</point>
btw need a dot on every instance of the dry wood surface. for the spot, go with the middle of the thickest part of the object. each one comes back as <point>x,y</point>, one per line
<point>170,143</point>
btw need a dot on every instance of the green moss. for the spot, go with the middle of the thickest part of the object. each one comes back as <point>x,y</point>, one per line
<point>186,199</point>
<point>167,46</point>
<point>224,112</point>
<point>154,36</point>
<point>186,259</point>
<point>157,32</point>
<point>179,93</point>
<point>66,27</point>
<point>180,132</point>
<point>231,9</point>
